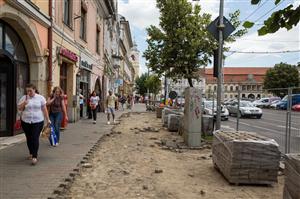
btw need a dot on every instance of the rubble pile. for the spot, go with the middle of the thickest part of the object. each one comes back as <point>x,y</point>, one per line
<point>292,176</point>
<point>246,158</point>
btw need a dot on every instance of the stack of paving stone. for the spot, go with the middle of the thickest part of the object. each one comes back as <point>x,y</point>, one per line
<point>292,177</point>
<point>246,158</point>
<point>165,115</point>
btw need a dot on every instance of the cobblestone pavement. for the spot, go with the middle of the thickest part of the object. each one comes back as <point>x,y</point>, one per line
<point>18,179</point>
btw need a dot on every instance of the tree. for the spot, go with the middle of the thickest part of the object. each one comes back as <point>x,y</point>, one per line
<point>283,75</point>
<point>284,18</point>
<point>140,84</point>
<point>182,44</point>
<point>154,84</point>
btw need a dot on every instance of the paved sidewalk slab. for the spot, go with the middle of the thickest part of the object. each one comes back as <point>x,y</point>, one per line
<point>18,179</point>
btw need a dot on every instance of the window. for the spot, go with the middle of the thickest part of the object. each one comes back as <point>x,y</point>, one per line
<point>83,24</point>
<point>225,96</point>
<point>209,87</point>
<point>67,12</point>
<point>231,88</point>
<point>215,88</point>
<point>237,88</point>
<point>226,87</point>
<point>63,76</point>
<point>97,40</point>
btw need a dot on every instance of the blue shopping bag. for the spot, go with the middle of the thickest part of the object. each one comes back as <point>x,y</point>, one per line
<point>52,138</point>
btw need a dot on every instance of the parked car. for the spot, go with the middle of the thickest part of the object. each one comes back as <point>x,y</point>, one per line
<point>273,105</point>
<point>265,102</point>
<point>247,109</point>
<point>296,107</point>
<point>211,109</point>
<point>284,102</point>
<point>180,101</point>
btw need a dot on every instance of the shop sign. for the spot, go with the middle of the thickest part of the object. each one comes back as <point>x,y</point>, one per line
<point>68,54</point>
<point>86,65</point>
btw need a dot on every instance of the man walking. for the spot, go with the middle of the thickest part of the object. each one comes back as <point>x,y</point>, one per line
<point>110,104</point>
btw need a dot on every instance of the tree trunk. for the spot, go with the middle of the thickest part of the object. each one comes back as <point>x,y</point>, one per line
<point>190,82</point>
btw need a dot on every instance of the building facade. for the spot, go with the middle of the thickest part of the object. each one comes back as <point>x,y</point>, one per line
<point>66,43</point>
<point>24,55</point>
<point>248,79</point>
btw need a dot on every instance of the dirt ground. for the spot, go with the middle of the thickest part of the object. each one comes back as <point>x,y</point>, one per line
<point>132,164</point>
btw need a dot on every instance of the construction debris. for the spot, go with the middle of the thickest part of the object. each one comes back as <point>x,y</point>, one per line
<point>246,158</point>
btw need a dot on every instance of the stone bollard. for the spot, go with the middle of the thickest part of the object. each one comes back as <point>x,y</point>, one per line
<point>173,122</point>
<point>207,125</point>
<point>159,112</point>
<point>192,117</point>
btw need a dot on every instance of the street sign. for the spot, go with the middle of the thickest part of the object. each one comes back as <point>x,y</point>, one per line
<point>213,28</point>
<point>173,95</point>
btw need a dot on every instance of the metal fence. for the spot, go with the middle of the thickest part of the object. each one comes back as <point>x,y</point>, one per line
<point>279,122</point>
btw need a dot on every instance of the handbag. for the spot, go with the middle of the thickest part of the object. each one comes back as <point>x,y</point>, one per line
<point>46,132</point>
<point>52,138</point>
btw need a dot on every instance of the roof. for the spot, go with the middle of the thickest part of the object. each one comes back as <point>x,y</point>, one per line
<point>239,74</point>
<point>240,70</point>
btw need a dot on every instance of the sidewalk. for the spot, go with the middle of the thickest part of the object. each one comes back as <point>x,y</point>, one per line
<point>20,180</point>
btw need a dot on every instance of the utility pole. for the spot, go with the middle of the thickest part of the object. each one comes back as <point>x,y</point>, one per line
<point>220,58</point>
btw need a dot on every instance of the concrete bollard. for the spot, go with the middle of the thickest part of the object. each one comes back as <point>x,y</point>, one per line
<point>173,122</point>
<point>192,117</point>
<point>207,125</point>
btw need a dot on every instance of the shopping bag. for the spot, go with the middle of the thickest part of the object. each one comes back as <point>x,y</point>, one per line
<point>46,132</point>
<point>52,138</point>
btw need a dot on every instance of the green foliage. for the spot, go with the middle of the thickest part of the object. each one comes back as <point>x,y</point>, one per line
<point>282,76</point>
<point>154,84</point>
<point>284,18</point>
<point>182,44</point>
<point>140,84</point>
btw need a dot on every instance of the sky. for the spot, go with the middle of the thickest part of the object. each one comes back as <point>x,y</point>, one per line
<point>143,13</point>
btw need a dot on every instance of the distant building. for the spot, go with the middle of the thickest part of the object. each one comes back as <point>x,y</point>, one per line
<point>250,80</point>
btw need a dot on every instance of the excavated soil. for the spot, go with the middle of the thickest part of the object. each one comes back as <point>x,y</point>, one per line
<point>137,162</point>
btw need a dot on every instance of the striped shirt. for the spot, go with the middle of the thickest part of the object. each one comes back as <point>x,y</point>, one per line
<point>33,110</point>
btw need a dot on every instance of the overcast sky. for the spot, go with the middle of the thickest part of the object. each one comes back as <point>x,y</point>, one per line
<point>143,13</point>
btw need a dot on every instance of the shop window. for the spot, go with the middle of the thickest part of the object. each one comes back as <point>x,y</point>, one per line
<point>97,40</point>
<point>83,24</point>
<point>63,76</point>
<point>67,12</point>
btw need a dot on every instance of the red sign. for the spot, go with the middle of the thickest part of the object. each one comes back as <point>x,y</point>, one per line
<point>68,54</point>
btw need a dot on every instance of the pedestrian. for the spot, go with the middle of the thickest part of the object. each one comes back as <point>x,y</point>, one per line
<point>94,101</point>
<point>34,112</point>
<point>57,109</point>
<point>110,104</point>
<point>81,102</point>
<point>123,101</point>
<point>89,110</point>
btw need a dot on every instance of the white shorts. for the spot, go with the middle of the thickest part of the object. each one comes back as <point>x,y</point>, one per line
<point>111,110</point>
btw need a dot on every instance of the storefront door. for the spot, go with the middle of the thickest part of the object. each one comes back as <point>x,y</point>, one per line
<point>6,96</point>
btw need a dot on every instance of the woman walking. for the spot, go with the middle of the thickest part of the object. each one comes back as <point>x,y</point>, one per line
<point>34,112</point>
<point>94,101</point>
<point>57,109</point>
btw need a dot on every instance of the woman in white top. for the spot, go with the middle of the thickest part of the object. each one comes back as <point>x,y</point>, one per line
<point>94,101</point>
<point>34,112</point>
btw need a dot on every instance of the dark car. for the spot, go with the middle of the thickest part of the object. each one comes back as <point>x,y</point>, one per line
<point>284,102</point>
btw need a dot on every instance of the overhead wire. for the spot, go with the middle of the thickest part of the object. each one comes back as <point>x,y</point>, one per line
<point>264,52</point>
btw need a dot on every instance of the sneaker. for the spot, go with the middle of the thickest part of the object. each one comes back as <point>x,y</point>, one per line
<point>34,161</point>
<point>94,122</point>
<point>108,122</point>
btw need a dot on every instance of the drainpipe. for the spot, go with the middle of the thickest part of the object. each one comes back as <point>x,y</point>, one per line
<point>49,83</point>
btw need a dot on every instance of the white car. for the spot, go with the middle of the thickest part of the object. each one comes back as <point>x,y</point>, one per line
<point>247,109</point>
<point>208,109</point>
